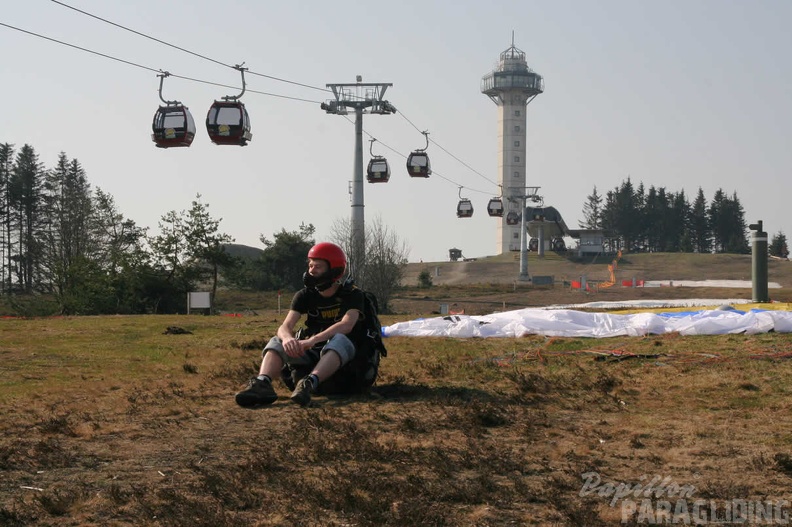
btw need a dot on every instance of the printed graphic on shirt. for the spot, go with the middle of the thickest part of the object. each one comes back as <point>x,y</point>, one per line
<point>326,314</point>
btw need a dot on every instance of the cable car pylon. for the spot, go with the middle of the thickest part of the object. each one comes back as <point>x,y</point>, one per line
<point>362,97</point>
<point>227,121</point>
<point>173,124</point>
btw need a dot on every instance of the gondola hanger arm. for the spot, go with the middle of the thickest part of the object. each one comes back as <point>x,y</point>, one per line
<point>426,136</point>
<point>162,76</point>
<point>242,70</point>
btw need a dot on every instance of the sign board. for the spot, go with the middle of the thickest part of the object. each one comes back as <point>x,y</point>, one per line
<point>542,280</point>
<point>199,300</point>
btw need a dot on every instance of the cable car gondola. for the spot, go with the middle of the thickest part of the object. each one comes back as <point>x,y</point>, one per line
<point>533,245</point>
<point>464,207</point>
<point>495,207</point>
<point>418,164</point>
<point>173,124</point>
<point>378,170</point>
<point>227,121</point>
<point>512,218</point>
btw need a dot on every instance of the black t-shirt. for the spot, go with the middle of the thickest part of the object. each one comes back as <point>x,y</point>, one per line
<point>322,312</point>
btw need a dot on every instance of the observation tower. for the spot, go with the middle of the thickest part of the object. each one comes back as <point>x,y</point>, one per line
<point>511,85</point>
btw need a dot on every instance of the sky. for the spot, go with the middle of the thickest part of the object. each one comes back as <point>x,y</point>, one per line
<point>681,94</point>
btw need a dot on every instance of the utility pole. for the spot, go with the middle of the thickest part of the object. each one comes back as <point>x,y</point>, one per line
<point>362,98</point>
<point>523,194</point>
<point>759,262</point>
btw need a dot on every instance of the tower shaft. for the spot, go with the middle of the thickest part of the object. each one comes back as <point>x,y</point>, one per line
<point>511,164</point>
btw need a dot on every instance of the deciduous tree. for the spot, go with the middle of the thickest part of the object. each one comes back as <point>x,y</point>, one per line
<point>386,258</point>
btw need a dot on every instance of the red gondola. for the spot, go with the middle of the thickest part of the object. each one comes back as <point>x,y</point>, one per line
<point>418,164</point>
<point>378,170</point>
<point>464,207</point>
<point>227,121</point>
<point>173,124</point>
<point>495,207</point>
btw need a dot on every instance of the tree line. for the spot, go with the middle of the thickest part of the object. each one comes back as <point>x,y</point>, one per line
<point>65,248</point>
<point>70,249</point>
<point>659,220</point>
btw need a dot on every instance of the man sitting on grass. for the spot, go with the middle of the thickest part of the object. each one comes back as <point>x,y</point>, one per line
<point>326,344</point>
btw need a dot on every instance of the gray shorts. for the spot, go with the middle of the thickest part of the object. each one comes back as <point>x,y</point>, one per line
<point>339,343</point>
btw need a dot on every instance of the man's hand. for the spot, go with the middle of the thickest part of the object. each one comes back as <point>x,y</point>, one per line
<point>295,348</point>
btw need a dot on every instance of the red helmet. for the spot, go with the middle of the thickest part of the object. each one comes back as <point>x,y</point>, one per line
<point>336,262</point>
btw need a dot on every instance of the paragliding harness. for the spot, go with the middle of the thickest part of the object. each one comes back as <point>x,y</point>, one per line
<point>359,374</point>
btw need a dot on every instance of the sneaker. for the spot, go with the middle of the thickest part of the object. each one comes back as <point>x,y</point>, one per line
<point>258,393</point>
<point>302,393</point>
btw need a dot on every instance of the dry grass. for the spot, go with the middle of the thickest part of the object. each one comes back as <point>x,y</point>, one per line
<point>111,421</point>
<point>108,421</point>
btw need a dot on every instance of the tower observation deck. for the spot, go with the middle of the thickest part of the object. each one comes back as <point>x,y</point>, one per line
<point>511,85</point>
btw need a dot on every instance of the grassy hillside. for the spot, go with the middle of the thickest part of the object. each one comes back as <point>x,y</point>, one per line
<point>490,284</point>
<point>505,268</point>
<point>111,421</point>
<point>243,251</point>
<point>117,421</point>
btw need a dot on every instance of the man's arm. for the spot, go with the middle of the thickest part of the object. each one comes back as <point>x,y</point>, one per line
<point>345,326</point>
<point>292,346</point>
<point>286,329</point>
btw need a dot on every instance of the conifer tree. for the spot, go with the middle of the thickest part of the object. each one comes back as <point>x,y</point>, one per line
<point>700,234</point>
<point>26,204</point>
<point>6,168</point>
<point>778,245</point>
<point>592,211</point>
